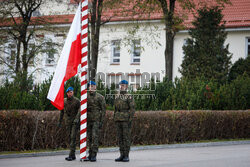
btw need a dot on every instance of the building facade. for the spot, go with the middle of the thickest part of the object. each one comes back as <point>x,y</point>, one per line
<point>139,56</point>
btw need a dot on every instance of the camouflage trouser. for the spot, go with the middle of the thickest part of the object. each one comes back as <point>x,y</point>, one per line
<point>72,130</point>
<point>123,133</point>
<point>93,137</point>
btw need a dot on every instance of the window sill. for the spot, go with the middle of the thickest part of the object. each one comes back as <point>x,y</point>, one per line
<point>135,63</point>
<point>50,65</point>
<point>114,63</point>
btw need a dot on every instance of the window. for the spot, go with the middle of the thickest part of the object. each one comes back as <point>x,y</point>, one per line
<point>31,52</point>
<point>136,52</point>
<point>113,80</point>
<point>115,52</point>
<point>11,53</point>
<point>248,47</point>
<point>50,50</point>
<point>36,13</point>
<point>50,59</point>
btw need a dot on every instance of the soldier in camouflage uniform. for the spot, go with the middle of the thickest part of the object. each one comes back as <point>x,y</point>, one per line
<point>96,109</point>
<point>123,115</point>
<point>72,117</point>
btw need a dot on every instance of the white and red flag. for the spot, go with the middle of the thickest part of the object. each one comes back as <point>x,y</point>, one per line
<point>68,62</point>
<point>74,53</point>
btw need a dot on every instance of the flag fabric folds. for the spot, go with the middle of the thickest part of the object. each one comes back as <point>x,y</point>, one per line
<point>68,62</point>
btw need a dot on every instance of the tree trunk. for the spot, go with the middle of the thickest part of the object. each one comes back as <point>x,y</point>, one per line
<point>18,57</point>
<point>24,57</point>
<point>95,33</point>
<point>169,55</point>
<point>169,28</point>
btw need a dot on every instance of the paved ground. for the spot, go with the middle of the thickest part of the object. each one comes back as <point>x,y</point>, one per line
<point>211,156</point>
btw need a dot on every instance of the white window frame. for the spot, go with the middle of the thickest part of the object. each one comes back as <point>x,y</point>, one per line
<point>8,52</point>
<point>36,13</point>
<point>114,79</point>
<point>115,46</point>
<point>31,43</point>
<point>52,60</point>
<point>133,52</point>
<point>247,45</point>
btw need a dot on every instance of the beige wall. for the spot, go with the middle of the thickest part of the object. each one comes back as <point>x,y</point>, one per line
<point>152,57</point>
<point>52,7</point>
<point>236,39</point>
<point>237,44</point>
<point>152,54</point>
<point>152,37</point>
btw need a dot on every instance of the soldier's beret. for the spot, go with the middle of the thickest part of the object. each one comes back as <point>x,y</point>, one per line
<point>69,89</point>
<point>124,82</point>
<point>91,83</point>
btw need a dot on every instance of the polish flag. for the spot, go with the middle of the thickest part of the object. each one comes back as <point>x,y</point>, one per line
<point>68,62</point>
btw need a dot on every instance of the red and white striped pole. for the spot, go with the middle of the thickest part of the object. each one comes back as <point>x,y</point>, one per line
<point>84,67</point>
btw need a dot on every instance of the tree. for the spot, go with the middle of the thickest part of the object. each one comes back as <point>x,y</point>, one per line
<point>94,35</point>
<point>99,16</point>
<point>170,28</point>
<point>19,21</point>
<point>240,67</point>
<point>205,53</point>
<point>172,20</point>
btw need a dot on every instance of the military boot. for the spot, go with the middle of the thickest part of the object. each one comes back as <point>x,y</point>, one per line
<point>70,158</point>
<point>120,158</point>
<point>125,158</point>
<point>88,157</point>
<point>93,157</point>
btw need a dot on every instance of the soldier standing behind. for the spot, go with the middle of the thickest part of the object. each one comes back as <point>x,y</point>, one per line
<point>123,115</point>
<point>96,109</point>
<point>72,118</point>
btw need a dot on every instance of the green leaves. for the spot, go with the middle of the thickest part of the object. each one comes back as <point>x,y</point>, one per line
<point>205,53</point>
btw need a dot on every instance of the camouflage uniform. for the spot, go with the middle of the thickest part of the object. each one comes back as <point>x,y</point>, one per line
<point>72,118</point>
<point>96,109</point>
<point>123,115</point>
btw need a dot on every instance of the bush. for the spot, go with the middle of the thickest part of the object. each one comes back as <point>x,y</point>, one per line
<point>234,95</point>
<point>12,97</point>
<point>197,94</point>
<point>182,94</point>
<point>240,67</point>
<point>27,130</point>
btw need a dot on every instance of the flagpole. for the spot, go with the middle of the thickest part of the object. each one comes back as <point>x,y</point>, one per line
<point>84,67</point>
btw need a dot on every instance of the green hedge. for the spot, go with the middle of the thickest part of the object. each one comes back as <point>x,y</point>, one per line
<point>27,130</point>
<point>11,97</point>
<point>197,94</point>
<point>182,94</point>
